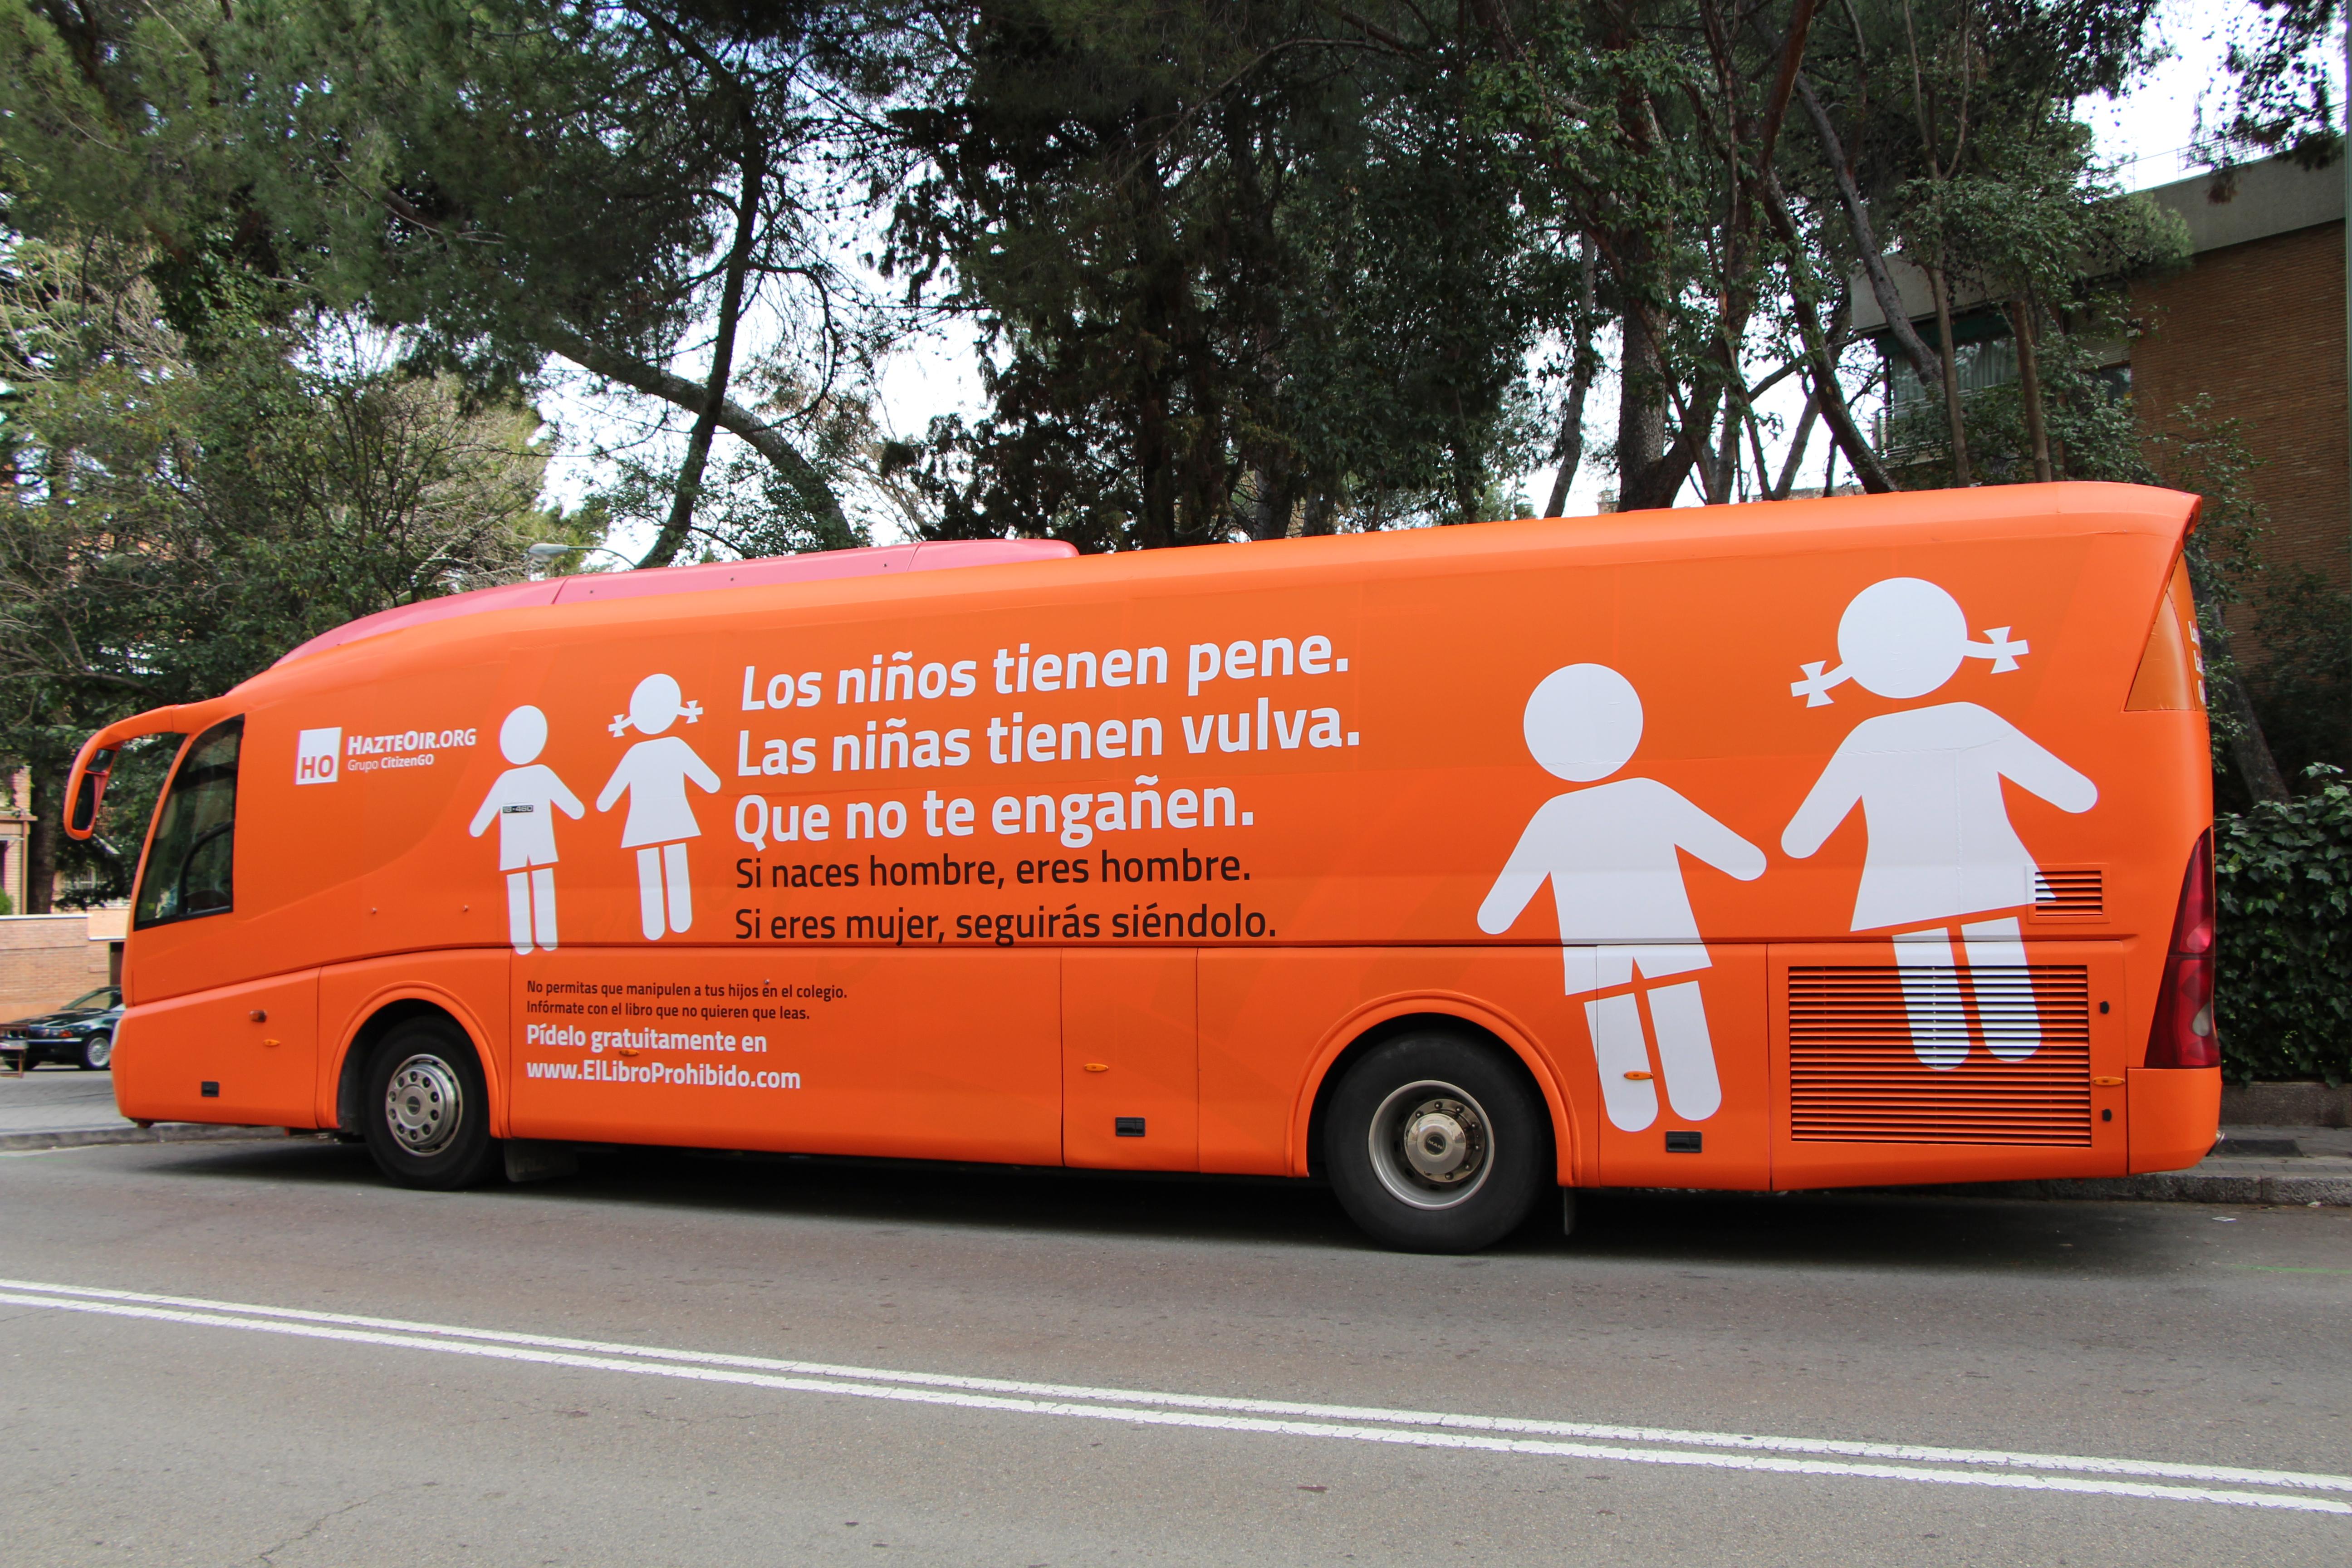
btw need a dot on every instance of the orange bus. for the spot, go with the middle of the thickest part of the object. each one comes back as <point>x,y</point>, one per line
<point>1863,840</point>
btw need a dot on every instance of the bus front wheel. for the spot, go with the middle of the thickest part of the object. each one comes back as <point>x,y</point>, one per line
<point>427,1107</point>
<point>1437,1144</point>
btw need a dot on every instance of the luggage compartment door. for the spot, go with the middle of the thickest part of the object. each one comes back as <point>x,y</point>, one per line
<point>1131,1060</point>
<point>1678,1036</point>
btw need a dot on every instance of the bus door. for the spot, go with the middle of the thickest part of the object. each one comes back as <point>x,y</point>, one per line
<point>1679,1038</point>
<point>1131,1060</point>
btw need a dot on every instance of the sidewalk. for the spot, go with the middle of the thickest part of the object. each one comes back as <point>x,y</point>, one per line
<point>2302,1166</point>
<point>64,1107</point>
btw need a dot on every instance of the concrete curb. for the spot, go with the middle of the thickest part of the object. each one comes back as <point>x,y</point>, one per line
<point>165,1132</point>
<point>2199,1186</point>
<point>2202,1185</point>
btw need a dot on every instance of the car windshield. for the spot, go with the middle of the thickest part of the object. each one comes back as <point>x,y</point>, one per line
<point>97,1001</point>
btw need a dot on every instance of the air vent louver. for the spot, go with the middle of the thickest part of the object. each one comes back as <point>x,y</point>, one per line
<point>1854,1069</point>
<point>2070,893</point>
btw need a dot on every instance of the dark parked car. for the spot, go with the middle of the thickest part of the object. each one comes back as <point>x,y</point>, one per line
<point>81,1032</point>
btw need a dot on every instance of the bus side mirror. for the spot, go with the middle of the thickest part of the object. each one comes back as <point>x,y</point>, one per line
<point>89,789</point>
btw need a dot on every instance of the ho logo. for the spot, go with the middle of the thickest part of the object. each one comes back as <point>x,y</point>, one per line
<point>317,756</point>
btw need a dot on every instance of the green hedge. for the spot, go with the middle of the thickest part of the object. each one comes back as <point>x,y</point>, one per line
<point>2283,876</point>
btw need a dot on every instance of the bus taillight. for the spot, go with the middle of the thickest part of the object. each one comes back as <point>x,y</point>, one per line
<point>2183,1035</point>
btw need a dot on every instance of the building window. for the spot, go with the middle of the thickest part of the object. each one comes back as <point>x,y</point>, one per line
<point>1980,366</point>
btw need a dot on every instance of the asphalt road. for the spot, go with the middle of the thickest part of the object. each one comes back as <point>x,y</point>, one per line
<point>142,1425</point>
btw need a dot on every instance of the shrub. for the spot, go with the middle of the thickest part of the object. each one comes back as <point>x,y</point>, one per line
<point>2283,873</point>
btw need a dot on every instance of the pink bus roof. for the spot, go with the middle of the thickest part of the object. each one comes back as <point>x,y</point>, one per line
<point>812,568</point>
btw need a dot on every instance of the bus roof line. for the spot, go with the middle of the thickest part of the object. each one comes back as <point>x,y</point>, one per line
<point>873,561</point>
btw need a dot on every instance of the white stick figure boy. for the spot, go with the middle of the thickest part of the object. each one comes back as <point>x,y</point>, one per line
<point>1928,781</point>
<point>1613,855</point>
<point>653,774</point>
<point>524,800</point>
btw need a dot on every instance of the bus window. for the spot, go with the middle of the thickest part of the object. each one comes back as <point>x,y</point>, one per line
<point>188,870</point>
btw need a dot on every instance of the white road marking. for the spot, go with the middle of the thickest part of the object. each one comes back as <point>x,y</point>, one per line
<point>1661,1446</point>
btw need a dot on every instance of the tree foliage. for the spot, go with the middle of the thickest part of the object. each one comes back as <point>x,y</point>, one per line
<point>2283,873</point>
<point>2279,67</point>
<point>1239,269</point>
<point>639,188</point>
<point>178,517</point>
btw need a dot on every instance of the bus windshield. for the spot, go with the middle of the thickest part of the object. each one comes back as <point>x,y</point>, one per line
<point>189,868</point>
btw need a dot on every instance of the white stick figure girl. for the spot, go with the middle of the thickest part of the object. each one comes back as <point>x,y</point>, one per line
<point>524,800</point>
<point>653,773</point>
<point>1611,855</point>
<point>1928,782</point>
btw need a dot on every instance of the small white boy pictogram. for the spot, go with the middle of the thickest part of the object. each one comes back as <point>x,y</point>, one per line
<point>524,800</point>
<point>1612,854</point>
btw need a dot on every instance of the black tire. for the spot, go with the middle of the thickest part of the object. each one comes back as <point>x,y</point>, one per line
<point>97,1052</point>
<point>1484,1144</point>
<point>436,1133</point>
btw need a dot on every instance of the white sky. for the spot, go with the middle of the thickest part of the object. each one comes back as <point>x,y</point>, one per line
<point>2146,133</point>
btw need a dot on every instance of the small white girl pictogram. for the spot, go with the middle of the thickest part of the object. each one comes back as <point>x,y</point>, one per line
<point>1612,854</point>
<point>653,774</point>
<point>1928,781</point>
<point>524,800</point>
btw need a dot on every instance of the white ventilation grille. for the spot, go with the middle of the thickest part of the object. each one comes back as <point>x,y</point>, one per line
<point>2070,893</point>
<point>2017,1039</point>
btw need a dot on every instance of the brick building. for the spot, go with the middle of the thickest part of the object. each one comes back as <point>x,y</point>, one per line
<point>2254,322</point>
<point>45,960</point>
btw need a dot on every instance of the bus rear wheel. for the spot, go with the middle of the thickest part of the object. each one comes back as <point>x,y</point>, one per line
<point>427,1108</point>
<point>1435,1143</point>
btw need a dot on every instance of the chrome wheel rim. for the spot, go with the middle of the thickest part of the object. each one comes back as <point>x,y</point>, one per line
<point>100,1051</point>
<point>422,1104</point>
<point>1432,1144</point>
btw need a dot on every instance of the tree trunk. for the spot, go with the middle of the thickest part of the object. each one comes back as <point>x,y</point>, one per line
<point>1155,530</point>
<point>2249,749</point>
<point>1721,490</point>
<point>1960,476</point>
<point>1797,444</point>
<point>1641,419</point>
<point>41,842</point>
<point>1848,434</point>
<point>652,380</point>
<point>1580,382</point>
<point>1469,474</point>
<point>2028,375</point>
<point>1571,442</point>
<point>1924,360</point>
<point>1835,411</point>
<point>673,535</point>
<point>1265,512</point>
